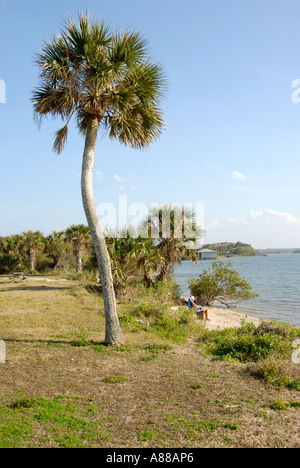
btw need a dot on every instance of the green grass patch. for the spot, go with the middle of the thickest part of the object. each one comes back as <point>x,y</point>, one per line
<point>148,434</point>
<point>62,421</point>
<point>232,426</point>
<point>115,379</point>
<point>294,384</point>
<point>15,427</point>
<point>278,405</point>
<point>149,357</point>
<point>213,375</point>
<point>196,386</point>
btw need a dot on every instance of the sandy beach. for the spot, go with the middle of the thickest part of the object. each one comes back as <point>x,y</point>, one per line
<point>220,318</point>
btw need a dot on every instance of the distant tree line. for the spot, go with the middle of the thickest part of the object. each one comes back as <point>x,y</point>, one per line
<point>132,252</point>
<point>232,249</point>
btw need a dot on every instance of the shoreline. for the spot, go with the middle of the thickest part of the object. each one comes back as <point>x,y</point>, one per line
<point>221,318</point>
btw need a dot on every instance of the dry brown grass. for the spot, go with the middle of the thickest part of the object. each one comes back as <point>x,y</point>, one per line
<point>173,397</point>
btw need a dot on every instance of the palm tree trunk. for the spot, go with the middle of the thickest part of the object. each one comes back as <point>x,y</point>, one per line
<point>77,250</point>
<point>113,333</point>
<point>32,260</point>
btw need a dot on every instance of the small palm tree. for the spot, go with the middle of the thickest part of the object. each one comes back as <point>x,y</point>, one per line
<point>32,243</point>
<point>54,246</point>
<point>129,253</point>
<point>11,254</point>
<point>92,264</point>
<point>80,237</point>
<point>125,250</point>
<point>150,260</point>
<point>175,230</point>
<point>11,245</point>
<point>107,81</point>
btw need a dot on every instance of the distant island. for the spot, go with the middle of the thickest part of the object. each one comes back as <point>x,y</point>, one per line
<point>231,249</point>
<point>239,249</point>
<point>277,251</point>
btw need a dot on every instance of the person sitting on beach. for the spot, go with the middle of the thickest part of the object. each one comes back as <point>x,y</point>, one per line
<point>191,302</point>
<point>202,312</point>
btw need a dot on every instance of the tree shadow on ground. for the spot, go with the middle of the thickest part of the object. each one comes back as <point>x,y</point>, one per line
<point>38,288</point>
<point>76,343</point>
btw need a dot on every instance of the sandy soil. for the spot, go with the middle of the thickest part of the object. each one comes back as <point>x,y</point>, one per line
<point>220,318</point>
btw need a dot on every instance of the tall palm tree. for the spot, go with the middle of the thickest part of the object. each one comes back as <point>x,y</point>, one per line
<point>107,81</point>
<point>80,237</point>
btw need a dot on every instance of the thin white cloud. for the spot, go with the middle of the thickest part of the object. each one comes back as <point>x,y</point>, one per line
<point>133,187</point>
<point>237,221</point>
<point>131,176</point>
<point>238,176</point>
<point>270,215</point>
<point>99,175</point>
<point>61,169</point>
<point>117,178</point>
<point>215,224</point>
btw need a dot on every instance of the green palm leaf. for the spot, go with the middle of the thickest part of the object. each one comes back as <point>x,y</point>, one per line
<point>92,72</point>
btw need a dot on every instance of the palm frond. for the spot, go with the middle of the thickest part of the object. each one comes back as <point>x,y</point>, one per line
<point>60,139</point>
<point>55,101</point>
<point>95,73</point>
<point>127,49</point>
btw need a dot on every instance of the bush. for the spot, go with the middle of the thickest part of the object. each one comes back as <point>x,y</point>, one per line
<point>267,349</point>
<point>223,284</point>
<point>154,311</point>
<point>43,262</point>
<point>295,384</point>
<point>273,371</point>
<point>147,310</point>
<point>10,263</point>
<point>166,292</point>
<point>248,343</point>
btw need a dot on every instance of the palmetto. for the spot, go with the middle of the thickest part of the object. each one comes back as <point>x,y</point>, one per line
<point>176,232</point>
<point>107,82</point>
<point>80,237</point>
<point>31,243</point>
<point>54,246</point>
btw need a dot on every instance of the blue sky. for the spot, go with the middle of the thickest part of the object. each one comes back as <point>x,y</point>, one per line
<point>232,138</point>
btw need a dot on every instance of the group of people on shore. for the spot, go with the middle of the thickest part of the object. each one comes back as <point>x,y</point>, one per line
<point>201,312</point>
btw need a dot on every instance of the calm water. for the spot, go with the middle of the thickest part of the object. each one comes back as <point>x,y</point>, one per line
<point>276,278</point>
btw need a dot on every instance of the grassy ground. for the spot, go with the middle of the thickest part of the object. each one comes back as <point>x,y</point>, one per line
<point>61,387</point>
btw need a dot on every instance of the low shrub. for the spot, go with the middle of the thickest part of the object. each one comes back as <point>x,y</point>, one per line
<point>272,371</point>
<point>150,309</point>
<point>250,344</point>
<point>295,384</point>
<point>267,349</point>
<point>278,405</point>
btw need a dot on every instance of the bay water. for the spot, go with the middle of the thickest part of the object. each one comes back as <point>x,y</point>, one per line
<point>276,278</point>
